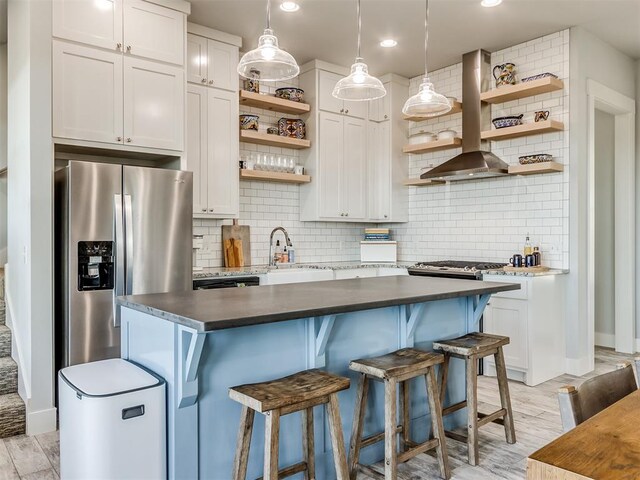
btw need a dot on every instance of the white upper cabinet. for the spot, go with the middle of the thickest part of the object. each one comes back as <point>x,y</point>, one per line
<point>327,102</point>
<point>93,22</point>
<point>380,109</point>
<point>153,104</point>
<point>197,138</point>
<point>154,32</point>
<point>354,168</point>
<point>212,63</point>
<point>87,93</point>
<point>380,174</point>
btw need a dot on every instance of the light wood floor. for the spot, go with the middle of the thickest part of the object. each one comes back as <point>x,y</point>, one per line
<point>535,412</point>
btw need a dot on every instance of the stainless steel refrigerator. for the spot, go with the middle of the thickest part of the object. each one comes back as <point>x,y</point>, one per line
<point>120,230</point>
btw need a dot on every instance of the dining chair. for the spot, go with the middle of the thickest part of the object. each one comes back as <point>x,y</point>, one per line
<point>594,395</point>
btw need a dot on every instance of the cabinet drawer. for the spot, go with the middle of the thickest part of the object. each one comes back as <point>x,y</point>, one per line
<point>522,294</point>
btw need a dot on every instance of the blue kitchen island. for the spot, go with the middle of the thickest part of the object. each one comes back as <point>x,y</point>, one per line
<point>203,342</point>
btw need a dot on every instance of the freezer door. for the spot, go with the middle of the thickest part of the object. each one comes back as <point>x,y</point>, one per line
<point>158,209</point>
<point>88,327</point>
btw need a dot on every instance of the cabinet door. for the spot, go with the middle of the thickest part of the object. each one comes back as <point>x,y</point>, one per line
<point>94,22</point>
<point>223,61</point>
<point>354,168</point>
<point>330,175</point>
<point>154,32</point>
<point>223,152</point>
<point>87,93</point>
<point>379,165</point>
<point>326,101</point>
<point>197,145</point>
<point>153,104</point>
<point>356,109</point>
<point>508,317</point>
<point>380,109</point>
<point>197,59</point>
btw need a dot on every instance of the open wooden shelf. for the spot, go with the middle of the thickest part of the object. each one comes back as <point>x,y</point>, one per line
<point>523,130</point>
<point>423,182</point>
<point>522,90</point>
<point>251,136</point>
<point>275,104</point>
<point>536,168</point>
<point>456,108</point>
<point>434,146</point>
<point>280,177</point>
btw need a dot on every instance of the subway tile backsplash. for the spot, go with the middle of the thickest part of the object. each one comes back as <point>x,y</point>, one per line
<point>480,220</point>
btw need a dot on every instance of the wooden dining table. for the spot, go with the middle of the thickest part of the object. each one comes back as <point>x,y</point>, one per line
<point>605,447</point>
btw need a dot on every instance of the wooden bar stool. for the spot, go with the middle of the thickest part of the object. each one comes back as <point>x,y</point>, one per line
<point>397,368</point>
<point>299,392</point>
<point>471,348</point>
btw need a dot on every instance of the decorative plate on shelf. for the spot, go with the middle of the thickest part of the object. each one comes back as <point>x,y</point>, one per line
<point>535,158</point>
<point>539,76</point>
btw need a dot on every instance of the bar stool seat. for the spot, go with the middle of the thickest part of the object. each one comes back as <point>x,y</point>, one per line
<point>298,392</point>
<point>397,368</point>
<point>471,348</point>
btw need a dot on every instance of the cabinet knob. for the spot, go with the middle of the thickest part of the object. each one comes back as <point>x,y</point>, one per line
<point>119,139</point>
<point>385,216</point>
<point>118,46</point>
<point>204,80</point>
<point>210,82</point>
<point>342,110</point>
<point>129,48</point>
<point>211,210</point>
<point>129,139</point>
<point>346,111</point>
<point>386,116</point>
<point>204,209</point>
<point>346,214</point>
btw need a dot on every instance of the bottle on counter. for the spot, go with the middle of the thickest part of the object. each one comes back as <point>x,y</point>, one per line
<point>528,250</point>
<point>285,255</point>
<point>278,252</point>
<point>537,258</point>
<point>292,254</point>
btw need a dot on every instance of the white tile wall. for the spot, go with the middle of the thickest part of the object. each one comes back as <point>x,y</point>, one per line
<point>483,219</point>
<point>489,219</point>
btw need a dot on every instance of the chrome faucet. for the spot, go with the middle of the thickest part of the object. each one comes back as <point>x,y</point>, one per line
<point>272,256</point>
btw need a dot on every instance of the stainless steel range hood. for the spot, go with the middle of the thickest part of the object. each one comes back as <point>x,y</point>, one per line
<point>476,159</point>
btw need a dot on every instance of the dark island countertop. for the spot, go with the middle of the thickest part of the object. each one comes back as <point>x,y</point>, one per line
<point>208,310</point>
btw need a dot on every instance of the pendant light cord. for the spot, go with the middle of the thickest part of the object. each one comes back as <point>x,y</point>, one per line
<point>269,14</point>
<point>359,29</point>
<point>426,35</point>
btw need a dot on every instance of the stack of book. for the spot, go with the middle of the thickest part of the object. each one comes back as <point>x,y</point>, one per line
<point>376,234</point>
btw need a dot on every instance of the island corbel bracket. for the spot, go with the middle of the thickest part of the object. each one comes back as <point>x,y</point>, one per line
<point>408,325</point>
<point>476,309</point>
<point>190,345</point>
<point>317,343</point>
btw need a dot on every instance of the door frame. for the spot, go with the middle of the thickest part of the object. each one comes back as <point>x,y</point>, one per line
<point>601,97</point>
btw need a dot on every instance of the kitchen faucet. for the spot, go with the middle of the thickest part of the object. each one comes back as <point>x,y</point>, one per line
<point>272,257</point>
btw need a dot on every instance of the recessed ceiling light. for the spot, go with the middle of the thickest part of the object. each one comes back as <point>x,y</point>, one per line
<point>388,43</point>
<point>289,7</point>
<point>490,3</point>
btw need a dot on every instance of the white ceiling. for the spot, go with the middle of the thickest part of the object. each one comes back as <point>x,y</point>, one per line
<point>326,29</point>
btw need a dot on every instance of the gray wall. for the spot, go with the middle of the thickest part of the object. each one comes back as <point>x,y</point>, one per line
<point>605,224</point>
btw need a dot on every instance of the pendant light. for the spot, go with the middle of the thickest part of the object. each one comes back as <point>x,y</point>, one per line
<point>427,102</point>
<point>359,85</point>
<point>273,63</point>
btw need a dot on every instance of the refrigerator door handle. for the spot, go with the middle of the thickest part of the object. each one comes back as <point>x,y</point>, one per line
<point>128,223</point>
<point>119,234</point>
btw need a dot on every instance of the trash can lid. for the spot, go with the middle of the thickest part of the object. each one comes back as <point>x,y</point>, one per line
<point>108,377</point>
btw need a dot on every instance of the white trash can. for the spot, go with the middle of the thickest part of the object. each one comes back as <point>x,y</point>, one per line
<point>112,422</point>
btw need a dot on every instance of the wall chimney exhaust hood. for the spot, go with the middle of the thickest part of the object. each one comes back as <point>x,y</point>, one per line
<point>476,159</point>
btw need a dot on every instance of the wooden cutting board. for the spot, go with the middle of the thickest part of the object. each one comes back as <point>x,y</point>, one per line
<point>538,269</point>
<point>236,245</point>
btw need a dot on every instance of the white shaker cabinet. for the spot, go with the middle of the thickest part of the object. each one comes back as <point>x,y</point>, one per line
<point>153,104</point>
<point>87,93</point>
<point>354,169</point>
<point>533,319</point>
<point>212,151</point>
<point>212,63</point>
<point>92,22</point>
<point>153,32</point>
<point>197,59</point>
<point>379,171</point>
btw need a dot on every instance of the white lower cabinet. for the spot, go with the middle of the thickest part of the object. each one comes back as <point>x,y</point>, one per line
<point>533,319</point>
<point>212,151</point>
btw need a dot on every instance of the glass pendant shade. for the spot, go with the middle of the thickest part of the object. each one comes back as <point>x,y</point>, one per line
<point>359,85</point>
<point>427,102</point>
<point>273,63</point>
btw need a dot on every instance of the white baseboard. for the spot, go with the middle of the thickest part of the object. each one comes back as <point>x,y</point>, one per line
<point>578,366</point>
<point>42,421</point>
<point>605,340</point>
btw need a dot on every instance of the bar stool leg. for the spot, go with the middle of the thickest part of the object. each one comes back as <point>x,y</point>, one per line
<point>505,399</point>
<point>390,427</point>
<point>444,371</point>
<point>271,439</point>
<point>437,425</point>
<point>356,428</point>
<point>243,443</point>
<point>472,410</point>
<point>405,409</point>
<point>337,439</point>
<point>308,444</point>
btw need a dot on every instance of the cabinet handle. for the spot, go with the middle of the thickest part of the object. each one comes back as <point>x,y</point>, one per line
<point>118,46</point>
<point>204,80</point>
<point>129,139</point>
<point>129,48</point>
<point>119,139</point>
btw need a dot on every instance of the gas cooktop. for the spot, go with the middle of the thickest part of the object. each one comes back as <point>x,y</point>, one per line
<point>454,268</point>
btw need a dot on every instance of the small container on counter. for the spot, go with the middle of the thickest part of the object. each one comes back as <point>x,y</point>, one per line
<point>292,254</point>
<point>537,257</point>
